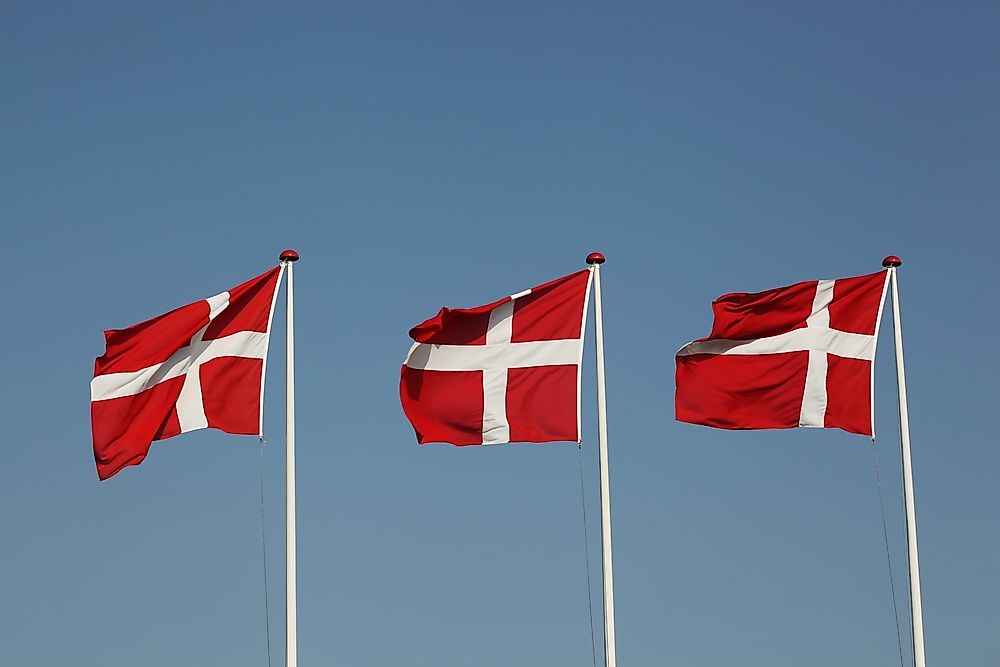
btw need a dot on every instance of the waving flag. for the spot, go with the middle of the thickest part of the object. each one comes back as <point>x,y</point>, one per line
<point>508,371</point>
<point>199,366</point>
<point>793,356</point>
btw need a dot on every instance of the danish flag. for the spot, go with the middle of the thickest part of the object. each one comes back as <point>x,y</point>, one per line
<point>508,371</point>
<point>793,356</point>
<point>199,366</point>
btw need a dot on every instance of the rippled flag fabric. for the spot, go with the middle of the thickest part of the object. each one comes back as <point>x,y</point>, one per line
<point>198,366</point>
<point>508,371</point>
<point>793,356</point>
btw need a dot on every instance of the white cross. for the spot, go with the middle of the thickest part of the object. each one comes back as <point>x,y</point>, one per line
<point>817,338</point>
<point>494,359</point>
<point>186,361</point>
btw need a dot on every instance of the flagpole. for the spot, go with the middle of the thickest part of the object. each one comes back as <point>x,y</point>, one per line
<point>291,622</point>
<point>916,608</point>
<point>595,259</point>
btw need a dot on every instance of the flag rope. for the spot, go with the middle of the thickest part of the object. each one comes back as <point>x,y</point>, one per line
<point>586,552</point>
<point>263,553</point>
<point>888,557</point>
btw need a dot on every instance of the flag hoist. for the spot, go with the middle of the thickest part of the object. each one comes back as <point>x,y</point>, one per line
<point>199,366</point>
<point>510,371</point>
<point>803,356</point>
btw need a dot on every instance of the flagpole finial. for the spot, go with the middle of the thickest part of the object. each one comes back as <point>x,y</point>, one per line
<point>288,256</point>
<point>892,260</point>
<point>595,258</point>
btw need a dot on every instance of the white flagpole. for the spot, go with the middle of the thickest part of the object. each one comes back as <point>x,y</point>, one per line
<point>916,609</point>
<point>291,633</point>
<point>595,259</point>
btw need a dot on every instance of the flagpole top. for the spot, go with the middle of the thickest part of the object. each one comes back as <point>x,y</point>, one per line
<point>595,258</point>
<point>892,261</point>
<point>288,256</point>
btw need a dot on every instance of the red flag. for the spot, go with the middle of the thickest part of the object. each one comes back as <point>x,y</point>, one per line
<point>505,372</point>
<point>793,356</point>
<point>199,366</point>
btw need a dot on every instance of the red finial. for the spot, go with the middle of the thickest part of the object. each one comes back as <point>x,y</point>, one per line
<point>288,256</point>
<point>892,260</point>
<point>595,258</point>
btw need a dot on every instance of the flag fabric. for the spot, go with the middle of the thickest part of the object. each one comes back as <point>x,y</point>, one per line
<point>199,366</point>
<point>508,371</point>
<point>800,355</point>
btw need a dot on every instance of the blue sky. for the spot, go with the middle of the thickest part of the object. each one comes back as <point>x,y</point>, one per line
<point>428,154</point>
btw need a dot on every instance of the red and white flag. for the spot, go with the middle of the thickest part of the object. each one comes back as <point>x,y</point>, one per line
<point>793,356</point>
<point>199,366</point>
<point>508,371</point>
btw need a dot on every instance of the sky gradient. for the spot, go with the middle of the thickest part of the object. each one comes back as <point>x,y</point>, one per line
<point>446,153</point>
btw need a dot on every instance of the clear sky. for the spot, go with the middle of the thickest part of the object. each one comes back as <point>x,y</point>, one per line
<point>428,154</point>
